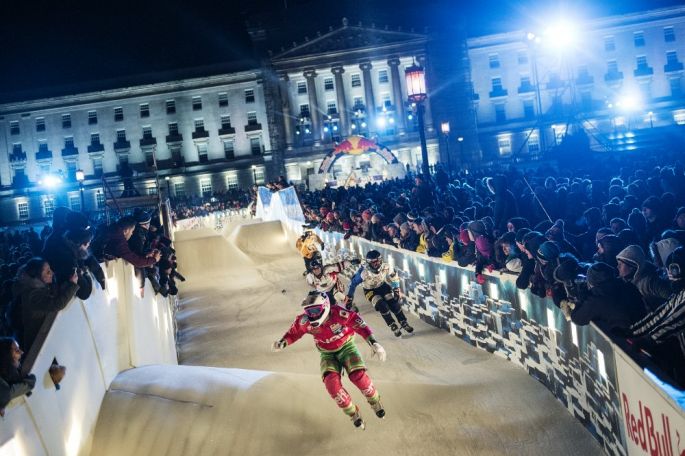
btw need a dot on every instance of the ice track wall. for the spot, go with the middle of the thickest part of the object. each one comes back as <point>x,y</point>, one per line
<point>96,339</point>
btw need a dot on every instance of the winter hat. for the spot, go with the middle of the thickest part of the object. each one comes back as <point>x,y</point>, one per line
<point>611,244</point>
<point>593,216</point>
<point>520,234</point>
<point>477,227</point>
<point>567,269</point>
<point>556,231</point>
<point>76,220</point>
<point>519,222</point>
<point>411,216</point>
<point>619,221</point>
<point>602,232</point>
<point>508,238</point>
<point>681,211</point>
<point>489,223</point>
<point>470,213</point>
<point>676,257</point>
<point>600,273</point>
<point>636,220</point>
<point>543,226</point>
<point>616,191</point>
<point>484,246</point>
<point>628,237</point>
<point>548,251</point>
<point>143,218</point>
<point>533,241</point>
<point>633,255</point>
<point>664,247</point>
<point>79,236</point>
<point>652,203</point>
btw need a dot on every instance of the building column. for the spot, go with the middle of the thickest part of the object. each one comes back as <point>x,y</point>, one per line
<point>398,99</point>
<point>317,131</point>
<point>283,84</point>
<point>368,95</point>
<point>340,99</point>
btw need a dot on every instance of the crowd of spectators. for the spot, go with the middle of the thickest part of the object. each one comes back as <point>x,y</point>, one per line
<point>41,272</point>
<point>604,242</point>
<point>197,206</point>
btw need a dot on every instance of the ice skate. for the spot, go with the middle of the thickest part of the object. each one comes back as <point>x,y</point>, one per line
<point>396,330</point>
<point>378,408</point>
<point>357,419</point>
<point>407,327</point>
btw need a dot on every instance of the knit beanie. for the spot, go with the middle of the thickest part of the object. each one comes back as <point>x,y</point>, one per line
<point>652,203</point>
<point>477,227</point>
<point>533,241</point>
<point>519,222</point>
<point>637,221</point>
<point>548,251</point>
<point>628,237</point>
<point>600,273</point>
<point>633,255</point>
<point>567,269</point>
<point>520,234</point>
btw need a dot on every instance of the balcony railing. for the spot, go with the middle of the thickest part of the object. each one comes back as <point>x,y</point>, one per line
<point>69,151</point>
<point>44,154</point>
<point>643,71</point>
<point>498,92</point>
<point>147,142</point>
<point>122,144</point>
<point>613,76</point>
<point>200,134</point>
<point>17,157</point>
<point>226,131</point>
<point>95,148</point>
<point>526,88</point>
<point>584,79</point>
<point>174,138</point>
<point>673,66</point>
<point>253,127</point>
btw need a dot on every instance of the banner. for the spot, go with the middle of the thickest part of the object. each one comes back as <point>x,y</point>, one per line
<point>653,424</point>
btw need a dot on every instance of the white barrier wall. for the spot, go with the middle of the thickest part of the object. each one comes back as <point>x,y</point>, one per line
<point>112,331</point>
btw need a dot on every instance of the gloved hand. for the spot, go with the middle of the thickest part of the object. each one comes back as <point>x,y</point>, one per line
<point>566,308</point>
<point>379,351</point>
<point>279,345</point>
<point>480,278</point>
<point>356,261</point>
<point>30,381</point>
<point>396,293</point>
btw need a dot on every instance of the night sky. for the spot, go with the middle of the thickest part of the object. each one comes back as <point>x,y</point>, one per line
<point>47,45</point>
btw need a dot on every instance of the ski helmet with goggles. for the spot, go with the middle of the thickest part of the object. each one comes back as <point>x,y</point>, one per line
<point>316,306</point>
<point>315,264</point>
<point>675,264</point>
<point>373,260</point>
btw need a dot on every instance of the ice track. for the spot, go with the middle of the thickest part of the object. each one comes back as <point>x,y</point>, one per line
<point>232,396</point>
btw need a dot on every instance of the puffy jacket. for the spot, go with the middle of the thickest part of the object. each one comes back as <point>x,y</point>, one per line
<point>655,290</point>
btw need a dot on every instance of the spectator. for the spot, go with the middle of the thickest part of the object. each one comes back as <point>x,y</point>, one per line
<point>505,203</point>
<point>634,267</point>
<point>12,383</point>
<point>117,244</point>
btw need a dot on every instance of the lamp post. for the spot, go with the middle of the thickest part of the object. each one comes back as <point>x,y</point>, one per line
<point>254,174</point>
<point>445,129</point>
<point>80,177</point>
<point>460,140</point>
<point>416,93</point>
<point>651,119</point>
<point>167,179</point>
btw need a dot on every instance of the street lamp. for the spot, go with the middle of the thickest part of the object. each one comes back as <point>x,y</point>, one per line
<point>80,177</point>
<point>460,140</point>
<point>167,179</point>
<point>445,129</point>
<point>254,174</point>
<point>416,93</point>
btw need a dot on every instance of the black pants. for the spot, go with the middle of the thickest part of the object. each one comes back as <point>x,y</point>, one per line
<point>383,300</point>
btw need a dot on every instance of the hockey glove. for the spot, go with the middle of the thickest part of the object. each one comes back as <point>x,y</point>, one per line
<point>356,261</point>
<point>379,351</point>
<point>279,345</point>
<point>396,293</point>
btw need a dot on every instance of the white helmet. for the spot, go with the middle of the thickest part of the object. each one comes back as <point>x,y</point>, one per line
<point>317,306</point>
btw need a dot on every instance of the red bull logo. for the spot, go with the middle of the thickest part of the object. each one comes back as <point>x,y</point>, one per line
<point>355,145</point>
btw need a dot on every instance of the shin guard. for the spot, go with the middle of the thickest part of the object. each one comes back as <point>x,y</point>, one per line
<point>365,385</point>
<point>338,393</point>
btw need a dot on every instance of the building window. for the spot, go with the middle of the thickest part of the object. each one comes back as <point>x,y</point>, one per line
<point>533,143</point>
<point>528,109</point>
<point>206,187</point>
<point>14,127</point>
<point>118,114</point>
<point>66,120</point>
<point>147,132</point>
<point>173,129</point>
<point>42,145</point>
<point>121,135</point>
<point>171,107</point>
<point>671,58</point>
<point>500,113</point>
<point>232,181</point>
<point>92,117</point>
<point>97,167</point>
<point>304,110</point>
<point>202,152</point>
<point>301,87</point>
<point>331,107</point>
<point>48,207</point>
<point>522,57</point>
<point>68,142</point>
<point>179,189</point>
<point>639,39</point>
<point>256,146</point>
<point>197,103</point>
<point>23,210</point>
<point>609,44</point>
<point>358,103</point>
<point>249,96</point>
<point>494,60</point>
<point>496,84</point>
<point>259,175</point>
<point>99,199</point>
<point>16,149</point>
<point>252,118</point>
<point>525,81</point>
<point>40,123</point>
<point>229,149</point>
<point>676,87</point>
<point>199,124</point>
<point>144,110</point>
<point>328,84</point>
<point>382,76</point>
<point>504,144</point>
<point>612,67</point>
<point>356,80</point>
<point>560,132</point>
<point>75,203</point>
<point>223,100</point>
<point>669,34</point>
<point>642,62</point>
<point>679,116</point>
<point>225,121</point>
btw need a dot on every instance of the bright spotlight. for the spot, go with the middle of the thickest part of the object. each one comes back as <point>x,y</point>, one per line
<point>561,36</point>
<point>629,102</point>
<point>380,122</point>
<point>50,181</point>
<point>363,124</point>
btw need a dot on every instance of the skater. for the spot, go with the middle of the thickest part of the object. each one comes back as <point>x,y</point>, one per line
<point>308,246</point>
<point>382,288</point>
<point>333,330</point>
<point>326,279</point>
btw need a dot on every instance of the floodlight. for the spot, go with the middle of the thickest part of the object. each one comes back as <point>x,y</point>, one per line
<point>380,122</point>
<point>363,124</point>
<point>561,35</point>
<point>629,102</point>
<point>50,181</point>
<point>80,175</point>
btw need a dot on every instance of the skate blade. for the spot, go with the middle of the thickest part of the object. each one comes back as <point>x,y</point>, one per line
<point>408,335</point>
<point>381,414</point>
<point>360,424</point>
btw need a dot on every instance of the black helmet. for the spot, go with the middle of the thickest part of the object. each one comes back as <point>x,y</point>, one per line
<point>315,263</point>
<point>675,264</point>
<point>373,259</point>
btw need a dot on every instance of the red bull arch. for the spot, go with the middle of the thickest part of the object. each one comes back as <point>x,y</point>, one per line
<point>356,145</point>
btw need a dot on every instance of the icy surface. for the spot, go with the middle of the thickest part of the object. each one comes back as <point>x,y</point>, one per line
<point>441,395</point>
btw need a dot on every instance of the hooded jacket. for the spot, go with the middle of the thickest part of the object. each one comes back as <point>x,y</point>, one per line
<point>654,288</point>
<point>505,206</point>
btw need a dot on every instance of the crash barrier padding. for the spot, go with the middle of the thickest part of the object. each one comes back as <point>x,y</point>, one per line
<point>96,339</point>
<point>215,220</point>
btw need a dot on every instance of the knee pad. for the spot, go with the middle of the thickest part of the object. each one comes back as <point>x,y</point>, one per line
<point>362,381</point>
<point>395,306</point>
<point>336,390</point>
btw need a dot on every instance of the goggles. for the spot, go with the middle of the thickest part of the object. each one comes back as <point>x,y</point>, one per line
<point>313,312</point>
<point>375,263</point>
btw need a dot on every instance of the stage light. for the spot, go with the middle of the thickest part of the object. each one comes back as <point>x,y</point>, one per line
<point>325,129</point>
<point>629,102</point>
<point>391,120</point>
<point>410,117</point>
<point>50,181</point>
<point>335,128</point>
<point>363,124</point>
<point>353,126</point>
<point>561,36</point>
<point>380,122</point>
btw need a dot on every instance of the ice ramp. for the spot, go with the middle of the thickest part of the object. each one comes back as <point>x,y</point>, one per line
<point>238,247</point>
<point>187,410</point>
